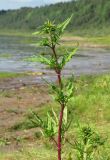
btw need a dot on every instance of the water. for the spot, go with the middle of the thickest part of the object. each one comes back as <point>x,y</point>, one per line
<point>17,51</point>
<point>86,61</point>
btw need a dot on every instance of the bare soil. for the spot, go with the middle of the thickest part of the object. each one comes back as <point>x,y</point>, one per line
<point>15,101</point>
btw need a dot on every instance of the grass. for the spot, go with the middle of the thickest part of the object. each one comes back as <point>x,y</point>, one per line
<point>12,32</point>
<point>92,93</point>
<point>95,41</point>
<point>15,74</point>
<point>10,75</point>
<point>5,55</point>
<point>104,40</point>
<point>90,105</point>
<point>92,31</point>
<point>38,153</point>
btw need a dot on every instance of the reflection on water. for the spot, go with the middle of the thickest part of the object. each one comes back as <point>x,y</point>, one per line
<point>86,61</point>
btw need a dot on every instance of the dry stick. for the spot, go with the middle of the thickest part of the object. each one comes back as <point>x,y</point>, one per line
<point>59,140</point>
<point>54,141</point>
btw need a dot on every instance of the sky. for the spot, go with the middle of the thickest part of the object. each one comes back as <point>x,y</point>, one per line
<point>15,4</point>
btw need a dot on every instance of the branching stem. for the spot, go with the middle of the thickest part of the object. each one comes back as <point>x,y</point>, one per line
<point>59,140</point>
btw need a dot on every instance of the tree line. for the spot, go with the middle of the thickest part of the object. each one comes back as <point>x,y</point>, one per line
<point>86,13</point>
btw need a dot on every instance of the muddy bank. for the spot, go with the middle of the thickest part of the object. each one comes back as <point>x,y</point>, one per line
<point>14,107</point>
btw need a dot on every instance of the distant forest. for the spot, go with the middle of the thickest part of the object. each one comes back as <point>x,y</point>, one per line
<point>86,13</point>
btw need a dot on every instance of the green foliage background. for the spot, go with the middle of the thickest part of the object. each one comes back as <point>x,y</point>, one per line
<point>86,14</point>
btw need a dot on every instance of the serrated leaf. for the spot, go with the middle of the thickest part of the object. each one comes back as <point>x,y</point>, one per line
<point>49,122</point>
<point>45,42</point>
<point>55,116</point>
<point>40,59</point>
<point>36,33</point>
<point>63,25</point>
<point>67,57</point>
<point>65,118</point>
<point>70,54</point>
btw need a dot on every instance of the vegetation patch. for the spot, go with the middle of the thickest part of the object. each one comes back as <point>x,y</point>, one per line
<point>100,40</point>
<point>5,55</point>
<point>90,104</point>
<point>11,75</point>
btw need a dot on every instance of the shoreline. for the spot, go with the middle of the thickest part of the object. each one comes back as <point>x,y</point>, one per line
<point>14,83</point>
<point>69,39</point>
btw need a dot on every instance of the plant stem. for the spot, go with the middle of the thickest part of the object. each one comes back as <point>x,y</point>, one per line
<point>60,120</point>
<point>59,140</point>
<point>59,132</point>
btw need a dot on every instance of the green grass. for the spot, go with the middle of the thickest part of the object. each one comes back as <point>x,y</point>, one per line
<point>12,32</point>
<point>94,41</point>
<point>91,100</point>
<point>92,93</point>
<point>38,153</point>
<point>92,31</point>
<point>10,75</point>
<point>5,55</point>
<point>104,40</point>
<point>15,74</point>
<point>90,90</point>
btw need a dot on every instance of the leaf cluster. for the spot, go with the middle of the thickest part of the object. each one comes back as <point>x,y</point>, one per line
<point>87,143</point>
<point>52,32</point>
<point>51,62</point>
<point>49,125</point>
<point>64,95</point>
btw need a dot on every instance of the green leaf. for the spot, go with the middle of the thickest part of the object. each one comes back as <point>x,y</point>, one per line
<point>63,25</point>
<point>70,55</point>
<point>52,32</point>
<point>67,57</point>
<point>45,42</point>
<point>36,120</point>
<point>69,89</point>
<point>36,33</point>
<point>40,59</point>
<point>65,117</point>
<point>64,95</point>
<point>70,156</point>
<point>50,61</point>
<point>55,116</point>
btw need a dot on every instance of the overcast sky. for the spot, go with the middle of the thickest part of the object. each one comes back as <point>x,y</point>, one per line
<point>13,4</point>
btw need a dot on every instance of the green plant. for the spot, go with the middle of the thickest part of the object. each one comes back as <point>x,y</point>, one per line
<point>87,143</point>
<point>62,90</point>
<point>4,141</point>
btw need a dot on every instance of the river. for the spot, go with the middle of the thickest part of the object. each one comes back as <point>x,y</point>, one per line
<point>13,51</point>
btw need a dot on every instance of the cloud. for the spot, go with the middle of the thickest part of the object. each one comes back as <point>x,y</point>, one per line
<point>57,0</point>
<point>14,4</point>
<point>38,1</point>
<point>21,1</point>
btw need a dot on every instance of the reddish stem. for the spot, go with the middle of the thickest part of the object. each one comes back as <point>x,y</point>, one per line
<point>59,132</point>
<point>60,120</point>
<point>59,140</point>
